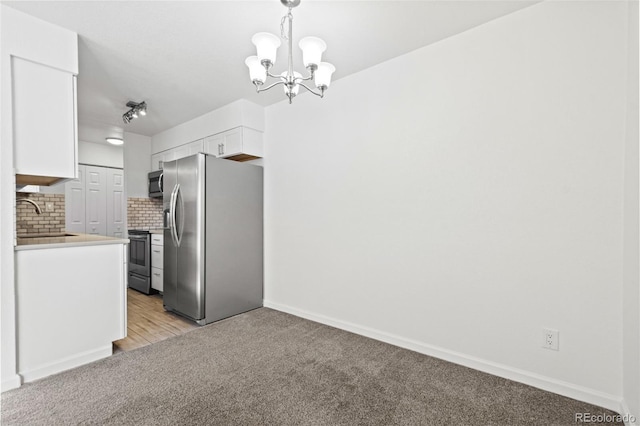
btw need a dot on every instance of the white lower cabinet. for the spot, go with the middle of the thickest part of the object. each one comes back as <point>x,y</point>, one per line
<point>157,279</point>
<point>71,306</point>
<point>157,261</point>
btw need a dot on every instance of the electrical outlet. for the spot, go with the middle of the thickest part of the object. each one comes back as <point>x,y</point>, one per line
<point>48,207</point>
<point>550,339</point>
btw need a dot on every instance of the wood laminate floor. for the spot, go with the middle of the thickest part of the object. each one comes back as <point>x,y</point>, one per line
<point>148,322</point>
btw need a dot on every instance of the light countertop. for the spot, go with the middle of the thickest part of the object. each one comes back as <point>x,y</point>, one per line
<point>66,240</point>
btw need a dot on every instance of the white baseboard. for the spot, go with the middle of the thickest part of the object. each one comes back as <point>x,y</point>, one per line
<point>550,384</point>
<point>12,382</point>
<point>66,363</point>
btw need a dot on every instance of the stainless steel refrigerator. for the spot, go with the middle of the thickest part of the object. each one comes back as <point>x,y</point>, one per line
<point>213,249</point>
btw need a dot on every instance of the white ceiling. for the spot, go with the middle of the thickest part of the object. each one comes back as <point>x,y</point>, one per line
<point>185,58</point>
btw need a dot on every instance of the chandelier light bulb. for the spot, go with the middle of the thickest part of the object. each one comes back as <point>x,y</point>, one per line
<point>267,46</point>
<point>312,49</point>
<point>323,75</point>
<point>257,72</point>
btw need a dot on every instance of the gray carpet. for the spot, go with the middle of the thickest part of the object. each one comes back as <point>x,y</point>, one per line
<point>270,368</point>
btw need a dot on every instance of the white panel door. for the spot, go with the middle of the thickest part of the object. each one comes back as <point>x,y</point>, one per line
<point>74,200</point>
<point>96,200</point>
<point>116,203</point>
<point>44,117</point>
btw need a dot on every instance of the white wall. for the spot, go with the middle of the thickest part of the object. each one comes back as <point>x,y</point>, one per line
<point>99,154</point>
<point>459,198</point>
<point>27,37</point>
<point>137,164</point>
<point>631,289</point>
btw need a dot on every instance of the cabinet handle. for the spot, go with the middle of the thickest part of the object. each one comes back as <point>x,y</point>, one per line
<point>156,251</point>
<point>157,274</point>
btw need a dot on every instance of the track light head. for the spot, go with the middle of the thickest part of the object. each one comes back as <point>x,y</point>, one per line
<point>136,110</point>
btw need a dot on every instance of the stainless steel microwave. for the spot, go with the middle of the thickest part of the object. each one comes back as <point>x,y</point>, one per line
<point>155,184</point>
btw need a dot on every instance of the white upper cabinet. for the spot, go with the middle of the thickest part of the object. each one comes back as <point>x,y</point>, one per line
<point>157,161</point>
<point>239,144</point>
<point>234,131</point>
<point>44,119</point>
<point>191,148</point>
<point>42,66</point>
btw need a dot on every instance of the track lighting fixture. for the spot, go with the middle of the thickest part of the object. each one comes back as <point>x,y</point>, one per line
<point>136,110</point>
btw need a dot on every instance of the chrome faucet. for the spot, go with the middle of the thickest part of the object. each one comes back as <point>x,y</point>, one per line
<point>38,209</point>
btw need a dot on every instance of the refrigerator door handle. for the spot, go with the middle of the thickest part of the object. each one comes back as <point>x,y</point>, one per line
<point>179,218</point>
<point>172,216</point>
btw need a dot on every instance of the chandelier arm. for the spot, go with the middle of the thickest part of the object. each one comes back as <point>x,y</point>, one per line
<point>309,77</point>
<point>321,94</point>
<point>258,89</point>
<point>273,75</point>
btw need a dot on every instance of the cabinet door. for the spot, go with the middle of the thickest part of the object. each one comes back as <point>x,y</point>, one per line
<point>156,162</point>
<point>96,200</point>
<point>232,143</point>
<point>116,203</point>
<point>74,200</point>
<point>157,279</point>
<point>169,155</point>
<point>44,117</point>
<point>196,147</point>
<point>213,145</point>
<point>157,256</point>
<point>181,151</point>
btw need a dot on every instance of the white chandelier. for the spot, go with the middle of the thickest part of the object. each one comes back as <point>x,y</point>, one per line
<point>312,47</point>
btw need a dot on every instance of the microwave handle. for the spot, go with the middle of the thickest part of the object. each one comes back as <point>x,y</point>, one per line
<point>160,182</point>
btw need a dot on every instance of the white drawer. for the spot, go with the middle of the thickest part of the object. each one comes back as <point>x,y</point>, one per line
<point>157,256</point>
<point>157,279</point>
<point>157,239</point>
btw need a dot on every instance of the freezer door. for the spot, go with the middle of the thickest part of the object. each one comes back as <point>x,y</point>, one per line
<point>170,261</point>
<point>189,231</point>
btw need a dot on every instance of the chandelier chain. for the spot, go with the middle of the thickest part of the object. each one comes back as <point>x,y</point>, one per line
<point>283,34</point>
